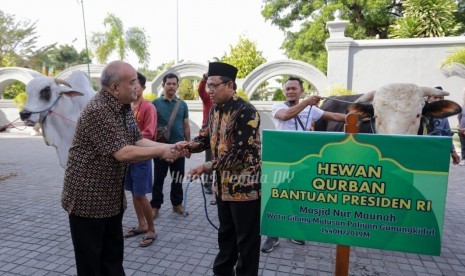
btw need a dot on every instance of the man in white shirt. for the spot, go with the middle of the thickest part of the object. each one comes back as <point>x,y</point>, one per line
<point>298,116</point>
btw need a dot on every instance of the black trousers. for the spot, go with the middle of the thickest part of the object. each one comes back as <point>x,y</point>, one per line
<point>177,175</point>
<point>98,245</point>
<point>208,177</point>
<point>238,238</point>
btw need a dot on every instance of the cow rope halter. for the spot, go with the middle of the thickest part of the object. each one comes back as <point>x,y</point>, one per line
<point>48,108</point>
<point>371,119</point>
<point>49,111</point>
<point>338,100</point>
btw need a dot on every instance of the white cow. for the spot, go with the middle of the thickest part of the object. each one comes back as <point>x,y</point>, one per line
<point>57,104</point>
<point>398,108</point>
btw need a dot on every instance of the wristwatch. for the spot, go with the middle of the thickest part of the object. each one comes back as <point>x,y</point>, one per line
<point>208,166</point>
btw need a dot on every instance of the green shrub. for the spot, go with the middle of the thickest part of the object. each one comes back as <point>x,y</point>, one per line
<point>242,94</point>
<point>20,100</point>
<point>149,96</point>
<point>14,89</point>
<point>340,90</point>
<point>278,95</point>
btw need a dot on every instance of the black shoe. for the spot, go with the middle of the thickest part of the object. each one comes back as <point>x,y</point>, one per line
<point>299,242</point>
<point>269,244</point>
<point>208,190</point>
<point>227,274</point>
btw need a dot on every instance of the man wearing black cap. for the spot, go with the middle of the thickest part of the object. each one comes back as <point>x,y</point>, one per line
<point>233,135</point>
<point>441,127</point>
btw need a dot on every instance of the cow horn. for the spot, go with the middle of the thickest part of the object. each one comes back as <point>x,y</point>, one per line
<point>366,97</point>
<point>60,81</point>
<point>429,91</point>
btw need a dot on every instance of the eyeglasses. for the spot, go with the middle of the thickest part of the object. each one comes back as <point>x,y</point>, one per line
<point>214,86</point>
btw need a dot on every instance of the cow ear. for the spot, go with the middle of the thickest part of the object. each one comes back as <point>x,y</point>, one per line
<point>72,93</point>
<point>441,109</point>
<point>363,110</point>
<point>367,97</point>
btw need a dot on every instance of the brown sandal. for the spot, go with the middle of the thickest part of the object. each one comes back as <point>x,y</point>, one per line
<point>147,241</point>
<point>134,232</point>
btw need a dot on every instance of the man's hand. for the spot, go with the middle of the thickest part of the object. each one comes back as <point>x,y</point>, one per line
<point>455,158</point>
<point>196,172</point>
<point>170,153</point>
<point>313,100</point>
<point>462,132</point>
<point>183,148</point>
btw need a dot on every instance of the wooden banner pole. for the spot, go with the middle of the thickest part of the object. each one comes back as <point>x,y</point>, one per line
<point>351,125</point>
<point>343,251</point>
<point>342,260</point>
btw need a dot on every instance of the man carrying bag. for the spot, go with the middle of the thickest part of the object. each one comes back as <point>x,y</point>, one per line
<point>173,116</point>
<point>164,132</point>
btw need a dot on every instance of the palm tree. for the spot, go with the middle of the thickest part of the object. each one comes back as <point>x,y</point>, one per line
<point>406,27</point>
<point>426,18</point>
<point>117,39</point>
<point>454,63</point>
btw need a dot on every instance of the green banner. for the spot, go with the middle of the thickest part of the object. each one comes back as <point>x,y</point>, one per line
<point>376,191</point>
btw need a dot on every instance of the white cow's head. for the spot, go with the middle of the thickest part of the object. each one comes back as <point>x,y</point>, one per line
<point>398,108</point>
<point>56,104</point>
<point>43,95</point>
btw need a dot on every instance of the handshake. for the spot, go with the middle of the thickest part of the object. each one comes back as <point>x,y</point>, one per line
<point>171,152</point>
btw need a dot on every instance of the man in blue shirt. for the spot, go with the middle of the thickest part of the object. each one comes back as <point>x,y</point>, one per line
<point>180,131</point>
<point>441,127</point>
<point>461,118</point>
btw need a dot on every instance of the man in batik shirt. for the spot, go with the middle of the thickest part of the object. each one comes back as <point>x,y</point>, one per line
<point>233,135</point>
<point>106,140</point>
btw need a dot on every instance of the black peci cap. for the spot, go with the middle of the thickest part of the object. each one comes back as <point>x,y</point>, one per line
<point>222,69</point>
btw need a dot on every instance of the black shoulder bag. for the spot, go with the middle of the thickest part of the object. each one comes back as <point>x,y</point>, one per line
<point>164,132</point>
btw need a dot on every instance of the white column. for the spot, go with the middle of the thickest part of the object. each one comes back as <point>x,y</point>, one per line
<point>338,47</point>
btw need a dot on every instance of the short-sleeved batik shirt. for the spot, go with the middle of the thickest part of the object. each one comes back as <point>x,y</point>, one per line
<point>93,184</point>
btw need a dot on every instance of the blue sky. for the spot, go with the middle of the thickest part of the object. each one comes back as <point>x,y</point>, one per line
<point>207,28</point>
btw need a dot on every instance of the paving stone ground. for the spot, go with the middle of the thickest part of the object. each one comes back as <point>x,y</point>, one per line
<point>35,238</point>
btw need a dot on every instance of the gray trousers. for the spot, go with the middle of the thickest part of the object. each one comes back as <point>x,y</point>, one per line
<point>462,145</point>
